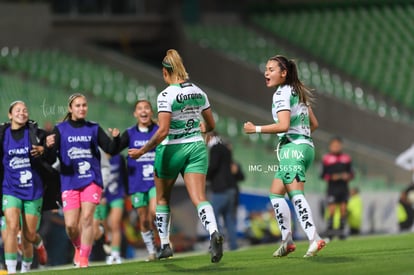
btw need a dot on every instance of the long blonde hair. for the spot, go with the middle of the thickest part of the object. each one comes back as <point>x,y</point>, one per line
<point>173,63</point>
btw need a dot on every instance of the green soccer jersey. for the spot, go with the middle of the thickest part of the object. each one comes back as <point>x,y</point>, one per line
<point>185,102</point>
<point>285,98</point>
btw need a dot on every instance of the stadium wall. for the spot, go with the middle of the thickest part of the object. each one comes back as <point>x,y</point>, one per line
<point>245,82</point>
<point>24,25</point>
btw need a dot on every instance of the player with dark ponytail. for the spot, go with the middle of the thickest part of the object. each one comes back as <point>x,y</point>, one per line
<point>294,122</point>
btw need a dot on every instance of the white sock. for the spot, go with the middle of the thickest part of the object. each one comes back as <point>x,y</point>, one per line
<point>304,215</point>
<point>207,218</point>
<point>11,266</point>
<point>148,238</point>
<point>282,213</point>
<point>25,267</point>
<point>115,254</point>
<point>162,219</point>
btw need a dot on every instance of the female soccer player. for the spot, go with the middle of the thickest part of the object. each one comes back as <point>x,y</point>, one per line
<point>294,122</point>
<point>77,143</point>
<point>141,185</point>
<point>21,153</point>
<point>109,212</point>
<point>180,107</point>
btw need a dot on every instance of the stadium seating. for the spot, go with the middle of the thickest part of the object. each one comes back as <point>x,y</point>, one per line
<point>45,79</point>
<point>55,71</point>
<point>242,43</point>
<point>370,43</point>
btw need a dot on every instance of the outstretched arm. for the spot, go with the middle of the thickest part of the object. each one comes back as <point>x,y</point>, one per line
<point>107,144</point>
<point>274,128</point>
<point>164,120</point>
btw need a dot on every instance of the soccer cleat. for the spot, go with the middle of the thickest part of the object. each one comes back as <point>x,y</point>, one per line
<point>151,257</point>
<point>216,247</point>
<point>25,268</point>
<point>109,259</point>
<point>83,262</point>
<point>165,252</point>
<point>118,260</point>
<point>42,254</point>
<point>314,248</point>
<point>76,257</point>
<point>284,249</point>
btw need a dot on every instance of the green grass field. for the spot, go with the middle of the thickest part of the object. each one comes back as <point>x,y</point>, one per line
<point>392,254</point>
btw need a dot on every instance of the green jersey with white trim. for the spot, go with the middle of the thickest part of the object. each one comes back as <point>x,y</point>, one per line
<point>286,99</point>
<point>185,102</point>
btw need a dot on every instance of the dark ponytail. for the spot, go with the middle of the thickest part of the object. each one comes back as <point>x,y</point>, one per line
<point>292,78</point>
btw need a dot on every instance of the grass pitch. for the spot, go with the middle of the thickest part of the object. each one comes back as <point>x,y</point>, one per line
<point>391,254</point>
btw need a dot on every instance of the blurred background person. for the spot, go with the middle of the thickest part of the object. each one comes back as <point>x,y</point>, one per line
<point>56,241</point>
<point>223,185</point>
<point>238,174</point>
<point>405,212</point>
<point>263,228</point>
<point>115,198</point>
<point>337,172</point>
<point>140,171</point>
<point>355,210</point>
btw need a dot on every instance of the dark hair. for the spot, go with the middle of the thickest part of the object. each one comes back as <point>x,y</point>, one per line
<point>145,101</point>
<point>71,98</point>
<point>336,138</point>
<point>14,103</point>
<point>292,78</point>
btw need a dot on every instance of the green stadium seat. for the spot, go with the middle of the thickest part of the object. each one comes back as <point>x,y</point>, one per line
<point>371,43</point>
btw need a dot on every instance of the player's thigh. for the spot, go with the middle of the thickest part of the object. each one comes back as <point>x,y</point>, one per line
<point>169,160</point>
<point>197,158</point>
<point>196,187</point>
<point>294,160</point>
<point>32,214</point>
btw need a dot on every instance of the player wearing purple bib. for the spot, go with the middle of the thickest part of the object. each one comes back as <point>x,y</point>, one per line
<point>76,143</point>
<point>141,185</point>
<point>22,185</point>
<point>109,212</point>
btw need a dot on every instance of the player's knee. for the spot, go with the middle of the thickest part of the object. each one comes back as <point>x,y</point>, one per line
<point>72,229</point>
<point>30,236</point>
<point>13,229</point>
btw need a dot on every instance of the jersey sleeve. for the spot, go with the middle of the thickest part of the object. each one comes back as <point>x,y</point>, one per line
<point>281,99</point>
<point>164,102</point>
<point>206,103</point>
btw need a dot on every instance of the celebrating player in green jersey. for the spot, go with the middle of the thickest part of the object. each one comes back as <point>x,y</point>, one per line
<point>294,122</point>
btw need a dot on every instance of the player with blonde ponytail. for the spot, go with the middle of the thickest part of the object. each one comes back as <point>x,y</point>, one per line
<point>181,149</point>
